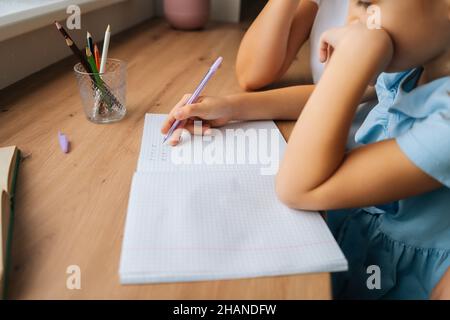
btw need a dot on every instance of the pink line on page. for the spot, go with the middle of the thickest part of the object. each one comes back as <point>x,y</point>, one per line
<point>235,249</point>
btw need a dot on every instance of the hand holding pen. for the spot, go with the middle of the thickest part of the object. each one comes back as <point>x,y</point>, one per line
<point>193,98</point>
<point>214,112</point>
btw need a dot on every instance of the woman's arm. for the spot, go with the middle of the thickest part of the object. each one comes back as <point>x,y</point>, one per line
<point>316,173</point>
<point>273,40</point>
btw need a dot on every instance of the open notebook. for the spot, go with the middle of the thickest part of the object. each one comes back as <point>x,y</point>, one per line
<point>192,216</point>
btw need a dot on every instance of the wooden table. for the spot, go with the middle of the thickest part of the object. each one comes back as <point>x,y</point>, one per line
<point>71,208</point>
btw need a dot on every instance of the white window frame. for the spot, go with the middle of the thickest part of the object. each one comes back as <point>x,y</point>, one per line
<point>24,21</point>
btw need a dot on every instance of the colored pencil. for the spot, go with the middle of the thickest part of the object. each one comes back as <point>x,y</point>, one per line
<point>97,56</point>
<point>90,42</point>
<point>106,93</point>
<point>71,44</point>
<point>105,50</point>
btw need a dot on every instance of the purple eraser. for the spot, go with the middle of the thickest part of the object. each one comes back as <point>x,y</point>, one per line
<point>63,142</point>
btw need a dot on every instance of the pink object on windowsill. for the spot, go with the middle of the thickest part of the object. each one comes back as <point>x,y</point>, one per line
<point>187,14</point>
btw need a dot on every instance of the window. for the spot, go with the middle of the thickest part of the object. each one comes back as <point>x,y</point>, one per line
<point>20,16</point>
<point>8,7</point>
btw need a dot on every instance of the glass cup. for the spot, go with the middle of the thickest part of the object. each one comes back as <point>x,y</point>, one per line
<point>103,95</point>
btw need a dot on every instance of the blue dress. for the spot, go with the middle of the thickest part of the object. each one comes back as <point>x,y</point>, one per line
<point>409,240</point>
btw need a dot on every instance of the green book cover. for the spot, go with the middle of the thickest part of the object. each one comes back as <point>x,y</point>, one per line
<point>11,226</point>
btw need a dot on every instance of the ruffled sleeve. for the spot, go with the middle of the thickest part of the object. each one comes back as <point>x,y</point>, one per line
<point>427,142</point>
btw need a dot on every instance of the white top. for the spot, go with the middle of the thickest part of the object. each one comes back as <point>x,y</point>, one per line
<point>331,14</point>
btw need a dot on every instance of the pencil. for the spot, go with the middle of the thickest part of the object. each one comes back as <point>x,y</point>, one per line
<point>90,43</point>
<point>105,50</point>
<point>91,61</point>
<point>98,82</point>
<point>71,44</point>
<point>97,56</point>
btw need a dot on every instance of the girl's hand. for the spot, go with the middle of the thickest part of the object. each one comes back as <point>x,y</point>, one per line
<point>442,290</point>
<point>357,38</point>
<point>213,111</point>
<point>329,41</point>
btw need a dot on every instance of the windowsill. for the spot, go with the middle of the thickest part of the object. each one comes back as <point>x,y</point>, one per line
<point>15,24</point>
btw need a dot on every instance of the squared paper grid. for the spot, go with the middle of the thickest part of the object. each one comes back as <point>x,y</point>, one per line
<point>190,225</point>
<point>155,156</point>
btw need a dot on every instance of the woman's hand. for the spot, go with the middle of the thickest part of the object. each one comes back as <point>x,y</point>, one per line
<point>442,290</point>
<point>213,111</point>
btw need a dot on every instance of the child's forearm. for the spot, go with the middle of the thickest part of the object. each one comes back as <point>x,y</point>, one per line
<point>369,94</point>
<point>277,32</point>
<point>262,49</point>
<point>278,104</point>
<point>317,145</point>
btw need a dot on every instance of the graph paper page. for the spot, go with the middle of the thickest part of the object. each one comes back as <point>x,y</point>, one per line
<point>237,146</point>
<point>206,225</point>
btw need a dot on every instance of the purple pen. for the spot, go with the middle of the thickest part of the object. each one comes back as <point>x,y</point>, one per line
<point>63,142</point>
<point>196,93</point>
